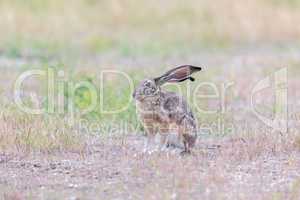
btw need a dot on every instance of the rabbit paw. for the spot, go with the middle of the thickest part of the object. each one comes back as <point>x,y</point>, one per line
<point>185,153</point>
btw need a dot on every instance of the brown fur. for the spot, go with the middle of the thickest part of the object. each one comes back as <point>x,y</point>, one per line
<point>164,112</point>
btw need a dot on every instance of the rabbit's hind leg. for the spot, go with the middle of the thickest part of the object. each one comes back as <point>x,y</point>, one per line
<point>187,148</point>
<point>185,137</point>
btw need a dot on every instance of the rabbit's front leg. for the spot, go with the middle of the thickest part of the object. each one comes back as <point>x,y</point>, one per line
<point>163,142</point>
<point>164,131</point>
<point>149,140</point>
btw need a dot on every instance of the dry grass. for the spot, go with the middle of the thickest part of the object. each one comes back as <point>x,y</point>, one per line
<point>42,157</point>
<point>27,133</point>
<point>115,168</point>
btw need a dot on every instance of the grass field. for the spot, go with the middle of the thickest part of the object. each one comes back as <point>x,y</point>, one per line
<point>65,153</point>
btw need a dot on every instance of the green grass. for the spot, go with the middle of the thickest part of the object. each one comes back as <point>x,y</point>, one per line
<point>31,48</point>
<point>291,3</point>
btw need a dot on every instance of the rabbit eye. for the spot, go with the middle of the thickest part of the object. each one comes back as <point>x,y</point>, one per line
<point>147,84</point>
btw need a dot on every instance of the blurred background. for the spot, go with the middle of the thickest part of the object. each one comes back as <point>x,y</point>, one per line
<point>235,41</point>
<point>85,30</point>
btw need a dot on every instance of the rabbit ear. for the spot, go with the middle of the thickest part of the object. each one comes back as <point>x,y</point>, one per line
<point>178,74</point>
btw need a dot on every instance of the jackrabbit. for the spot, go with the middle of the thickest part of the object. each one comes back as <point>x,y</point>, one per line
<point>163,111</point>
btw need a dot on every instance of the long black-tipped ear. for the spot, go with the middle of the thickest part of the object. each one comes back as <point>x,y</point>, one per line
<point>178,74</point>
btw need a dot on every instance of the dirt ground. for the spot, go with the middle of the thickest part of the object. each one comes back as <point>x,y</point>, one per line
<point>115,168</point>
